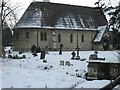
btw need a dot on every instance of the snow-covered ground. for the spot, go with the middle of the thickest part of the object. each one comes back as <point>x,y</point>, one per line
<point>32,72</point>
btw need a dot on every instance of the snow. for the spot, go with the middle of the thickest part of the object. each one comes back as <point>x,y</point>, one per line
<point>100,34</point>
<point>30,72</point>
<point>93,84</point>
<point>33,21</point>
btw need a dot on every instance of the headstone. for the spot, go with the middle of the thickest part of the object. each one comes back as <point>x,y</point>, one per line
<point>60,52</point>
<point>73,55</point>
<point>9,51</point>
<point>42,54</point>
<point>68,63</point>
<point>24,56</point>
<point>62,63</point>
<point>44,61</point>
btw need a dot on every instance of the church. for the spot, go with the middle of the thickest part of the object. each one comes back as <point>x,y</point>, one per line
<point>47,24</point>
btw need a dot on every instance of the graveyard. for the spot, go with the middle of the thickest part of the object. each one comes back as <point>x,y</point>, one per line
<point>55,70</point>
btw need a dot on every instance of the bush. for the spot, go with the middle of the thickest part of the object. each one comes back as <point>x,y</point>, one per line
<point>38,49</point>
<point>35,49</point>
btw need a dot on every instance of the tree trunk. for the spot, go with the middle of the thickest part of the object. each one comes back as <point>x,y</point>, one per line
<point>1,27</point>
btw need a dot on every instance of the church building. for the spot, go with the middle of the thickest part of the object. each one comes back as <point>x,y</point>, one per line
<point>51,24</point>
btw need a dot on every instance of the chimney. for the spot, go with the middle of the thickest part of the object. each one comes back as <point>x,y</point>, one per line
<point>46,0</point>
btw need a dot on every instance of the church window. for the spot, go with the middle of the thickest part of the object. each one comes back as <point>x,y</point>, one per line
<point>71,38</point>
<point>59,38</point>
<point>27,35</point>
<point>41,36</point>
<point>82,38</point>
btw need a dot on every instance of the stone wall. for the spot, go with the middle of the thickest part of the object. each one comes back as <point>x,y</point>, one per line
<point>103,70</point>
<point>22,43</point>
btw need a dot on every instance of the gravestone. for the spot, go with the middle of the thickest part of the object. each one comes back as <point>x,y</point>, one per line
<point>60,52</point>
<point>62,63</point>
<point>73,55</point>
<point>42,54</point>
<point>67,63</point>
<point>44,61</point>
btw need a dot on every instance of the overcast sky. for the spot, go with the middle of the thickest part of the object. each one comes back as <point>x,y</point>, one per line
<point>26,3</point>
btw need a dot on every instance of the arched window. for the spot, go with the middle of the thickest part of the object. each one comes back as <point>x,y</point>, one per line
<point>45,36</point>
<point>59,38</point>
<point>41,36</point>
<point>71,38</point>
<point>27,35</point>
<point>82,38</point>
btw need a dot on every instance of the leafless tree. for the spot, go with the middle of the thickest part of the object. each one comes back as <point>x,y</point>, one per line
<point>9,12</point>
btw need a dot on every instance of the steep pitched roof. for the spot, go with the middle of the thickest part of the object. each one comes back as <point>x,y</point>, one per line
<point>100,34</point>
<point>62,16</point>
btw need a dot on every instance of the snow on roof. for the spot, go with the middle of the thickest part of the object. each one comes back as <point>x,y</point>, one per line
<point>32,20</point>
<point>100,34</point>
<point>53,15</point>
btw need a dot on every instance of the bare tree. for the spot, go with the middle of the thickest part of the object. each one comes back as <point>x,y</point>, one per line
<point>8,17</point>
<point>9,12</point>
<point>114,21</point>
